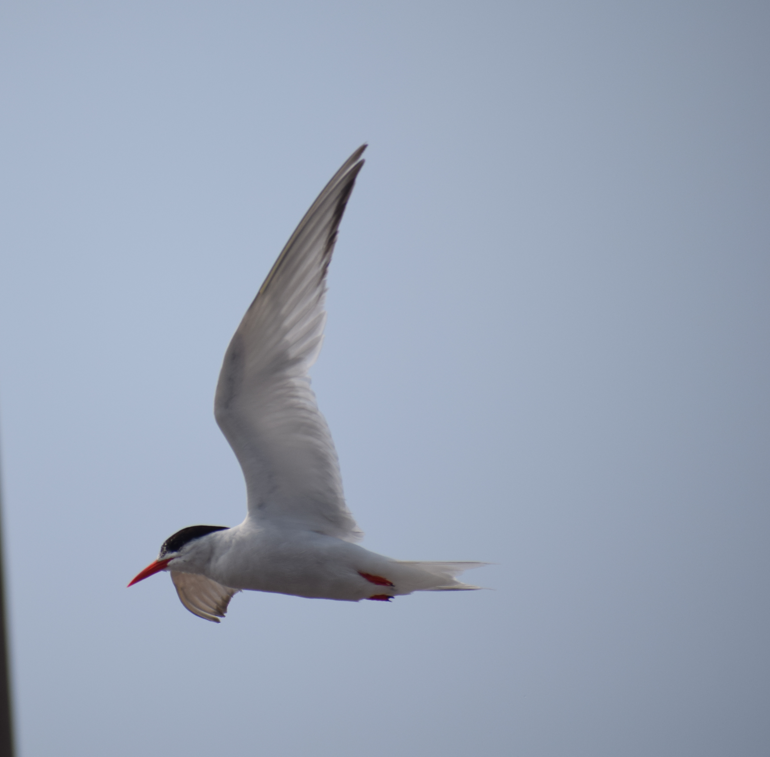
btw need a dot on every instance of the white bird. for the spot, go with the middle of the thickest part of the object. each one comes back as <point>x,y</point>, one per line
<point>298,536</point>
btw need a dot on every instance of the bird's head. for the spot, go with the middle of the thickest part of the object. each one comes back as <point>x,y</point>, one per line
<point>181,550</point>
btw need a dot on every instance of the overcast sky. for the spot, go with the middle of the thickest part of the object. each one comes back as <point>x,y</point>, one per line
<point>547,348</point>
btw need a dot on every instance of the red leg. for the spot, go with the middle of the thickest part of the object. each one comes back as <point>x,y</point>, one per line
<point>378,580</point>
<point>381,597</point>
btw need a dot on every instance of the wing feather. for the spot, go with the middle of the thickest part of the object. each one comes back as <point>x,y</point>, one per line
<point>264,404</point>
<point>202,596</point>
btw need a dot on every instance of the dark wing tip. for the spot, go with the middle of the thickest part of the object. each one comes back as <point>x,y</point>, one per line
<point>358,153</point>
<point>342,182</point>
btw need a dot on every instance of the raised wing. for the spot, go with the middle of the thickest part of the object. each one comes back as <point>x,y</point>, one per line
<point>264,404</point>
<point>202,596</point>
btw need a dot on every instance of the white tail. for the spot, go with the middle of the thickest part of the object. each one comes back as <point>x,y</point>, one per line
<point>432,576</point>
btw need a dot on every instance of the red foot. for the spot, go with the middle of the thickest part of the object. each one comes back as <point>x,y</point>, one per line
<point>379,580</point>
<point>381,597</point>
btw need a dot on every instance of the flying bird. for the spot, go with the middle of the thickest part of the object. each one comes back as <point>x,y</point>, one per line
<point>299,536</point>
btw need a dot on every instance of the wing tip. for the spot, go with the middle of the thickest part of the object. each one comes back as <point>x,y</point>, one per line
<point>357,154</point>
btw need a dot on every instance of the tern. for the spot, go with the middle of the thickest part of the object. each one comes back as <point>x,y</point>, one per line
<point>299,536</point>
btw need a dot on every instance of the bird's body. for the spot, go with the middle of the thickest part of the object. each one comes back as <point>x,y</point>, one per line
<point>309,564</point>
<point>298,536</point>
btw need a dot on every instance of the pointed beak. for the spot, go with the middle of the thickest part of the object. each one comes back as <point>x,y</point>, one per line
<point>150,570</point>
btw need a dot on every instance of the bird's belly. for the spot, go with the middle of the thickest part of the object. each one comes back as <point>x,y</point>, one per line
<point>312,566</point>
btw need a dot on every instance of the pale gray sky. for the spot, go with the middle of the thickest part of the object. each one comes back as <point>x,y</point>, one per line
<point>547,348</point>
